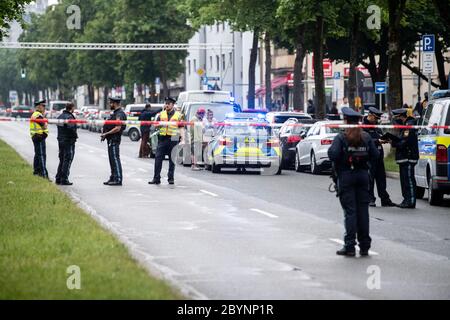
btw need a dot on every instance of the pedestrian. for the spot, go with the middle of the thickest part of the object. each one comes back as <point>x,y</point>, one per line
<point>39,133</point>
<point>344,104</point>
<point>350,153</point>
<point>168,139</point>
<point>113,135</point>
<point>311,108</point>
<point>196,137</point>
<point>146,115</point>
<point>406,156</point>
<point>377,169</point>
<point>334,110</point>
<point>67,136</point>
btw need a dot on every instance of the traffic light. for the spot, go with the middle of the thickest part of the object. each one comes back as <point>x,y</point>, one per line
<point>23,73</point>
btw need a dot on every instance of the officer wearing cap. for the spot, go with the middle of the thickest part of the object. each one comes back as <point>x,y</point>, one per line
<point>39,132</point>
<point>377,169</point>
<point>350,154</point>
<point>168,139</point>
<point>113,135</point>
<point>406,156</point>
<point>196,137</point>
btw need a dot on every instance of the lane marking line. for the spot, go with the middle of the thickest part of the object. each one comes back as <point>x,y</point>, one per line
<point>373,253</point>
<point>209,193</point>
<point>270,215</point>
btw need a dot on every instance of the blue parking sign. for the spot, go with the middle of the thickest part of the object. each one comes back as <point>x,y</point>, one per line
<point>380,87</point>
<point>428,42</point>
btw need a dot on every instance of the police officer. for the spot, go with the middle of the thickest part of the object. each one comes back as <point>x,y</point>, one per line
<point>168,139</point>
<point>406,156</point>
<point>39,132</point>
<point>67,136</point>
<point>350,154</point>
<point>377,169</point>
<point>113,135</point>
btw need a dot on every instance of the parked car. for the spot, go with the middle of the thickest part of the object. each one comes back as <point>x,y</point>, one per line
<point>3,109</point>
<point>101,115</point>
<point>312,150</point>
<point>55,108</point>
<point>133,111</point>
<point>433,169</point>
<point>87,113</point>
<point>203,96</point>
<point>278,118</point>
<point>22,112</point>
<point>290,134</point>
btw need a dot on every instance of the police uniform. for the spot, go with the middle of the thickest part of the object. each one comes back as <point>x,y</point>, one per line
<point>352,168</point>
<point>39,132</point>
<point>168,139</point>
<point>406,156</point>
<point>114,140</point>
<point>67,136</point>
<point>377,169</point>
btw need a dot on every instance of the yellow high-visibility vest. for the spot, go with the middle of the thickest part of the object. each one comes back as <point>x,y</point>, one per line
<point>37,127</point>
<point>169,130</point>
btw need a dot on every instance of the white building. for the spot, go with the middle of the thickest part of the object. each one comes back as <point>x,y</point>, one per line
<point>223,68</point>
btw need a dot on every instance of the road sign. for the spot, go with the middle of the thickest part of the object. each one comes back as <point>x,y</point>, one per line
<point>200,72</point>
<point>380,87</point>
<point>337,76</point>
<point>157,80</point>
<point>428,62</point>
<point>428,42</point>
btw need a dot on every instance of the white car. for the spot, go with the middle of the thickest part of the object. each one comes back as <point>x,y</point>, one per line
<point>312,150</point>
<point>55,108</point>
<point>203,96</point>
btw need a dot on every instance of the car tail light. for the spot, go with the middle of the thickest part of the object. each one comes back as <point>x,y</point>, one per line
<point>224,142</point>
<point>326,142</point>
<point>441,154</point>
<point>8,110</point>
<point>293,139</point>
<point>273,143</point>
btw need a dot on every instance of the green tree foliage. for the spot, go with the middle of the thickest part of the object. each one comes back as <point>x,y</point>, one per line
<point>10,10</point>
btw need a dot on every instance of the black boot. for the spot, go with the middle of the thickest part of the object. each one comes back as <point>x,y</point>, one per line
<point>388,203</point>
<point>346,252</point>
<point>154,181</point>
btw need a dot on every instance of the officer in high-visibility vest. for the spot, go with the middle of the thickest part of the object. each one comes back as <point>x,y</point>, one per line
<point>39,132</point>
<point>168,139</point>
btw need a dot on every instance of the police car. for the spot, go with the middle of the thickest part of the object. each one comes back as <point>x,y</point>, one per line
<point>433,169</point>
<point>244,141</point>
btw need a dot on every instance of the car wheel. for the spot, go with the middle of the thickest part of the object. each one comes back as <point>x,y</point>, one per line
<point>134,135</point>
<point>315,169</point>
<point>298,167</point>
<point>215,168</point>
<point>434,196</point>
<point>280,170</point>
<point>420,192</point>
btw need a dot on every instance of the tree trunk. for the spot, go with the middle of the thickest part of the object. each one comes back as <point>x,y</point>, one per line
<point>354,61</point>
<point>163,70</point>
<point>268,73</point>
<point>105,97</point>
<point>90,94</point>
<point>300,53</point>
<point>395,53</point>
<point>318,69</point>
<point>440,61</point>
<point>252,69</point>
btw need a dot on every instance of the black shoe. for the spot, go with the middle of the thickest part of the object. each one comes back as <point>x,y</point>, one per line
<point>171,181</point>
<point>346,252</point>
<point>57,182</point>
<point>388,203</point>
<point>404,205</point>
<point>66,183</point>
<point>156,182</point>
<point>372,204</point>
<point>107,182</point>
<point>364,253</point>
<point>114,183</point>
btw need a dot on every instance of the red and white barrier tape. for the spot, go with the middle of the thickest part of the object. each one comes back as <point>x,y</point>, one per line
<point>217,124</point>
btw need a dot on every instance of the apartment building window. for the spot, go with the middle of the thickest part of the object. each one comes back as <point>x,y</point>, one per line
<point>195,65</point>
<point>231,58</point>
<point>217,26</point>
<point>223,62</point>
<point>189,67</point>
<point>211,63</point>
<point>217,63</point>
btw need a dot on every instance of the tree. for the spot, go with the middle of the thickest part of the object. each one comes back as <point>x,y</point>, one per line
<point>10,10</point>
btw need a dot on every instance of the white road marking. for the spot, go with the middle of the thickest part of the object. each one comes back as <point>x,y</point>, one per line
<point>142,170</point>
<point>209,193</point>
<point>265,213</point>
<point>373,253</point>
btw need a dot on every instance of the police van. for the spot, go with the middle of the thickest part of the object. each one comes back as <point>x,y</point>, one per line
<point>433,169</point>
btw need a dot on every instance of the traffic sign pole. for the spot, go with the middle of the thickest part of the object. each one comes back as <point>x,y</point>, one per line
<point>428,48</point>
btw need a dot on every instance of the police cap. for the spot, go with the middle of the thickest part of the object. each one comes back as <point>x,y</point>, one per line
<point>350,113</point>
<point>400,112</point>
<point>44,102</point>
<point>115,99</point>
<point>170,100</point>
<point>377,113</point>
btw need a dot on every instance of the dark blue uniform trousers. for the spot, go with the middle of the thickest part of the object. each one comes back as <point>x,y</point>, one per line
<point>66,155</point>
<point>40,158</point>
<point>408,182</point>
<point>114,161</point>
<point>354,198</point>
<point>165,147</point>
<point>378,176</point>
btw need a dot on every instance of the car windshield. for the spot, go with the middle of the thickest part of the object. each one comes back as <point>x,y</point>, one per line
<point>246,130</point>
<point>219,111</point>
<point>332,130</point>
<point>59,106</point>
<point>209,97</point>
<point>24,108</point>
<point>284,118</point>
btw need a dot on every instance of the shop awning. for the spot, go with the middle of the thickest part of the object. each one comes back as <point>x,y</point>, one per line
<point>276,83</point>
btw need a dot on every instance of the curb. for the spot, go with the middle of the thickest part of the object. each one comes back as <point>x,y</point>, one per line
<point>393,175</point>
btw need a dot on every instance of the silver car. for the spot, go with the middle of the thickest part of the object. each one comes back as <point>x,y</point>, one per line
<point>312,150</point>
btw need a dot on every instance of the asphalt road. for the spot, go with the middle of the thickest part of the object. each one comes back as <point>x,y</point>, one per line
<point>247,236</point>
